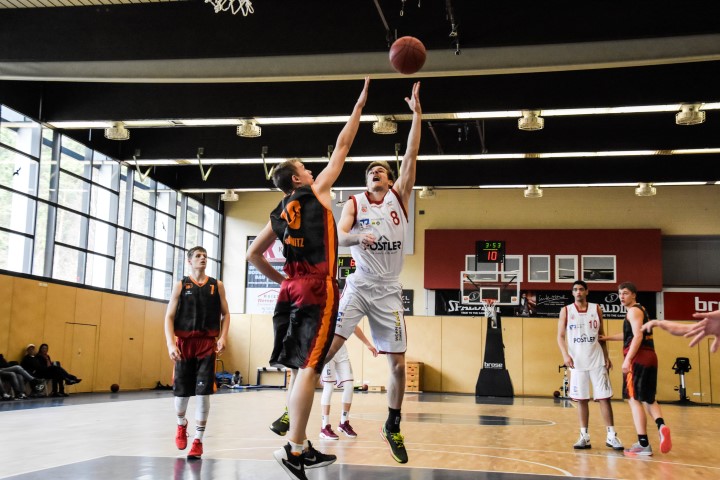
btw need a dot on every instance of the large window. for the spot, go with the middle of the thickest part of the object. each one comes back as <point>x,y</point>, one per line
<point>72,214</point>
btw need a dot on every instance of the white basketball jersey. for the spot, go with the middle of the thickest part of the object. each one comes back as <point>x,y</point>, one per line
<point>581,331</point>
<point>386,220</point>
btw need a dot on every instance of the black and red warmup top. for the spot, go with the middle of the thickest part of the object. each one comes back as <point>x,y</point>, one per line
<point>198,312</point>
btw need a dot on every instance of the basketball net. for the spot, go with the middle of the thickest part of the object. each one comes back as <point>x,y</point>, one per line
<point>235,6</point>
<point>490,313</point>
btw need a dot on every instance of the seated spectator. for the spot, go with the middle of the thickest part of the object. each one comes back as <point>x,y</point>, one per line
<point>16,376</point>
<point>38,368</point>
<point>44,356</point>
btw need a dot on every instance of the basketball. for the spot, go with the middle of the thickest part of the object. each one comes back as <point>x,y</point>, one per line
<point>556,394</point>
<point>407,55</point>
<point>114,388</point>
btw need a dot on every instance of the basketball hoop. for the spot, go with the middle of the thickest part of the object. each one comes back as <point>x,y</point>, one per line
<point>490,312</point>
<point>235,6</point>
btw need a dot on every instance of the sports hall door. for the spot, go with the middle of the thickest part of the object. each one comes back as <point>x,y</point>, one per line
<point>81,349</point>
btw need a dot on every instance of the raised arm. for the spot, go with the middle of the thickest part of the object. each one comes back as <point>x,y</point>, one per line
<point>406,175</point>
<point>326,178</point>
<point>255,254</point>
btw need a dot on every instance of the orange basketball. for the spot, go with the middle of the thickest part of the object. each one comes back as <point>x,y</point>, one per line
<point>407,55</point>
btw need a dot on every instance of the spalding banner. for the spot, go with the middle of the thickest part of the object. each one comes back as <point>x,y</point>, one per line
<point>547,303</point>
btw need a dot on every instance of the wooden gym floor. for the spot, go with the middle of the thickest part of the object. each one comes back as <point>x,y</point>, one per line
<point>131,436</point>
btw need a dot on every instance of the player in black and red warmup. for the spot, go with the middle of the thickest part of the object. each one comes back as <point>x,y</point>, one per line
<point>306,310</point>
<point>196,325</point>
<point>640,373</point>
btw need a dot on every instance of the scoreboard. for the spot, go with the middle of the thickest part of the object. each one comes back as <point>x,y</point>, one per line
<point>490,251</point>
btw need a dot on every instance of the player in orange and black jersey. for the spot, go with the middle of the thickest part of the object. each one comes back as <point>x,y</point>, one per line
<point>306,310</point>
<point>640,373</point>
<point>196,326</point>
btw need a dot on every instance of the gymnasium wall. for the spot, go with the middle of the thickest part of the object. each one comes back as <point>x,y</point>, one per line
<point>101,337</point>
<point>451,347</point>
<point>107,338</point>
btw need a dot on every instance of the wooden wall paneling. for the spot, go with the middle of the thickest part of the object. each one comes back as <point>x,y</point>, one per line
<point>132,343</point>
<point>6,300</point>
<point>59,312</point>
<point>109,356</point>
<point>237,351</point>
<point>88,306</point>
<point>154,352</point>
<point>28,316</point>
<point>261,344</point>
<point>513,338</point>
<point>463,347</point>
<point>88,312</point>
<point>167,366</point>
<point>425,336</point>
<point>81,355</point>
<point>668,348</point>
<point>613,327</point>
<point>542,356</point>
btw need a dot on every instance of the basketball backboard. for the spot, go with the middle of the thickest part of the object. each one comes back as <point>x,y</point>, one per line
<point>499,285</point>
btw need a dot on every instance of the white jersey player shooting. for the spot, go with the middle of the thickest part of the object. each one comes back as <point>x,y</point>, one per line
<point>373,225</point>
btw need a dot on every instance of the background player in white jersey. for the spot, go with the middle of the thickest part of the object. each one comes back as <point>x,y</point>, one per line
<point>579,328</point>
<point>338,372</point>
<point>373,225</point>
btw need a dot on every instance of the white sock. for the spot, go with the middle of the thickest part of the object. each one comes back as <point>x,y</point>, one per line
<point>325,420</point>
<point>181,420</point>
<point>584,433</point>
<point>199,432</point>
<point>296,447</point>
<point>344,416</point>
<point>611,432</point>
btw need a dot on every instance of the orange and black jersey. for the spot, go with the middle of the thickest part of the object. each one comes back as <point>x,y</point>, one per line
<point>647,339</point>
<point>198,312</point>
<point>307,230</point>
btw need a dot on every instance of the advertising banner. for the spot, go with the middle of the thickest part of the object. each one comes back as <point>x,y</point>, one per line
<point>546,303</point>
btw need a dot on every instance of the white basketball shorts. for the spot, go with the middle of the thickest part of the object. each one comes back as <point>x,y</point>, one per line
<point>580,381</point>
<point>382,304</point>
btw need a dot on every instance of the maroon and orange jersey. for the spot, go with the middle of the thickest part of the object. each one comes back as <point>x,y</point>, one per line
<point>308,233</point>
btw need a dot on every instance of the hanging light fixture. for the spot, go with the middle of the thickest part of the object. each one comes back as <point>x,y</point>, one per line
<point>427,192</point>
<point>645,190</point>
<point>533,191</point>
<point>117,132</point>
<point>690,114</point>
<point>229,196</point>
<point>249,129</point>
<point>531,120</point>
<point>384,126</point>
